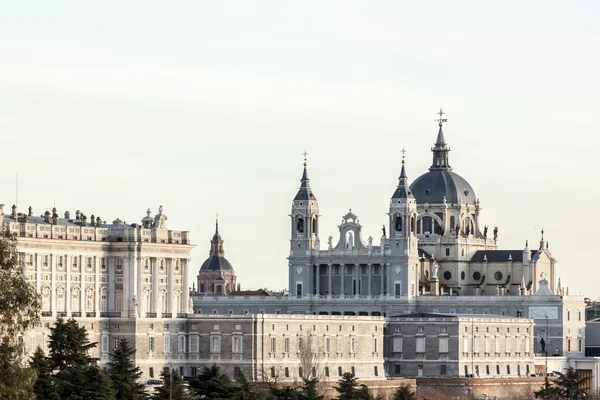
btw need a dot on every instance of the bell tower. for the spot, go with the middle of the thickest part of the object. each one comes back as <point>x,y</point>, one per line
<point>403,242</point>
<point>304,220</point>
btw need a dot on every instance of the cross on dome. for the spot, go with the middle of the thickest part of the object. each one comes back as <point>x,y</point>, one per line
<point>441,119</point>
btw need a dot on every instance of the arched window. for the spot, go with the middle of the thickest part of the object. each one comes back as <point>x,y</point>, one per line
<point>398,224</point>
<point>147,301</point>
<point>452,222</point>
<point>412,224</point>
<point>315,226</point>
<point>104,300</point>
<point>75,300</point>
<point>89,300</point>
<point>300,225</point>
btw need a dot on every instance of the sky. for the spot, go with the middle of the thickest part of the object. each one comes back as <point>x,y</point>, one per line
<point>115,107</point>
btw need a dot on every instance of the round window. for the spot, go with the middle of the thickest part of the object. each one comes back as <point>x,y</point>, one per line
<point>462,275</point>
<point>498,275</point>
<point>447,275</point>
<point>476,275</point>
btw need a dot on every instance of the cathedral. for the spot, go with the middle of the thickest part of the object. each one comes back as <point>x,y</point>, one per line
<point>433,244</point>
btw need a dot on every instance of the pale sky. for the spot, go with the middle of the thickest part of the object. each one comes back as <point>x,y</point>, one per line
<point>203,107</point>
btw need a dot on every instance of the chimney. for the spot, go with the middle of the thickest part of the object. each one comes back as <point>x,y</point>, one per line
<point>98,221</point>
<point>92,221</point>
<point>47,217</point>
<point>83,220</point>
<point>67,215</point>
<point>14,211</point>
<point>77,215</point>
<point>30,212</point>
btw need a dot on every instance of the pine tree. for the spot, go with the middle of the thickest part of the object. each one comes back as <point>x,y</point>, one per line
<point>45,385</point>
<point>87,382</point>
<point>310,390</point>
<point>69,345</point>
<point>404,392</point>
<point>174,388</point>
<point>347,387</point>
<point>566,386</point>
<point>213,384</point>
<point>124,374</point>
<point>19,312</point>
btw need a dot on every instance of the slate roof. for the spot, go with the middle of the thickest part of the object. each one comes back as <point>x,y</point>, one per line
<point>433,186</point>
<point>305,192</point>
<point>501,255</point>
<point>216,263</point>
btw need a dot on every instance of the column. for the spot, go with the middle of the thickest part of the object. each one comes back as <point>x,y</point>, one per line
<point>83,263</point>
<point>369,267</point>
<point>318,270</point>
<point>170,287</point>
<point>127,266</point>
<point>68,266</point>
<point>329,267</point>
<point>38,273</point>
<point>52,261</point>
<point>111,282</point>
<point>140,293</point>
<point>96,264</point>
<point>342,279</point>
<point>154,269</point>
<point>357,277</point>
<point>383,267</point>
<point>186,286</point>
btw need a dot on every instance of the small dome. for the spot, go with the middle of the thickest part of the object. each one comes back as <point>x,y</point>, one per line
<point>216,263</point>
<point>436,184</point>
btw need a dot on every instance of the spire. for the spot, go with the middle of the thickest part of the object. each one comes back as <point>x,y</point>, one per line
<point>542,243</point>
<point>403,189</point>
<point>305,192</point>
<point>216,244</point>
<point>440,149</point>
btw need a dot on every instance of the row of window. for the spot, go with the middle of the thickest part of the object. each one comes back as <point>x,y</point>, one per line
<point>184,345</point>
<point>313,345</point>
<point>274,372</point>
<point>314,327</point>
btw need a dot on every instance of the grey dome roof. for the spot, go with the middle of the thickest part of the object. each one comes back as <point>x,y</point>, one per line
<point>434,185</point>
<point>440,181</point>
<point>216,263</point>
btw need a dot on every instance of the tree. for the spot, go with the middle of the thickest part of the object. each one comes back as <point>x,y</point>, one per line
<point>69,345</point>
<point>404,392</point>
<point>45,385</point>
<point>124,375</point>
<point>308,353</point>
<point>310,390</point>
<point>19,312</point>
<point>173,388</point>
<point>348,387</point>
<point>566,386</point>
<point>77,376</point>
<point>212,384</point>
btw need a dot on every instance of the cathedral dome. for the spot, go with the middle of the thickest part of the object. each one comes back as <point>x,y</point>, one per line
<point>440,182</point>
<point>216,263</point>
<point>434,185</point>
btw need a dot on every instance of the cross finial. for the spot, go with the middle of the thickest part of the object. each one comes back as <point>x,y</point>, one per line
<point>441,119</point>
<point>403,151</point>
<point>305,154</point>
<point>542,233</point>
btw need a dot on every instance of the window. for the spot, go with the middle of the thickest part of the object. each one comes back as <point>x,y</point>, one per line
<point>579,312</point>
<point>397,345</point>
<point>287,372</point>
<point>115,342</point>
<point>105,344</point>
<point>487,369</point>
<point>273,345</point>
<point>579,345</point>
<point>443,347</point>
<point>167,344</point>
<point>420,345</point>
<point>286,345</point>
<point>374,345</point>
<point>507,344</point>
<point>194,371</point>
<point>568,315</point>
<point>272,372</point>
<point>151,372</point>
<point>352,371</point>
<point>327,345</point>
<point>340,373</point>
<point>194,344</point>
<point>375,371</point>
<point>151,345</point>
<point>447,252</point>
<point>352,345</point>
<point>508,369</point>
<point>326,371</point>
<point>181,344</point>
<point>215,344</point>
<point>397,369</point>
<point>236,344</point>
<point>568,345</point>
<point>442,370</point>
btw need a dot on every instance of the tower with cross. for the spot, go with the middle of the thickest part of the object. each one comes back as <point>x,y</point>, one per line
<point>304,219</point>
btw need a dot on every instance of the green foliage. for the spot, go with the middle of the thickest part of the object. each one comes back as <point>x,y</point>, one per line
<point>124,375</point>
<point>87,382</point>
<point>174,388</point>
<point>404,392</point>
<point>45,384</point>
<point>19,312</point>
<point>348,389</point>
<point>310,390</point>
<point>69,345</point>
<point>212,384</point>
<point>566,386</point>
